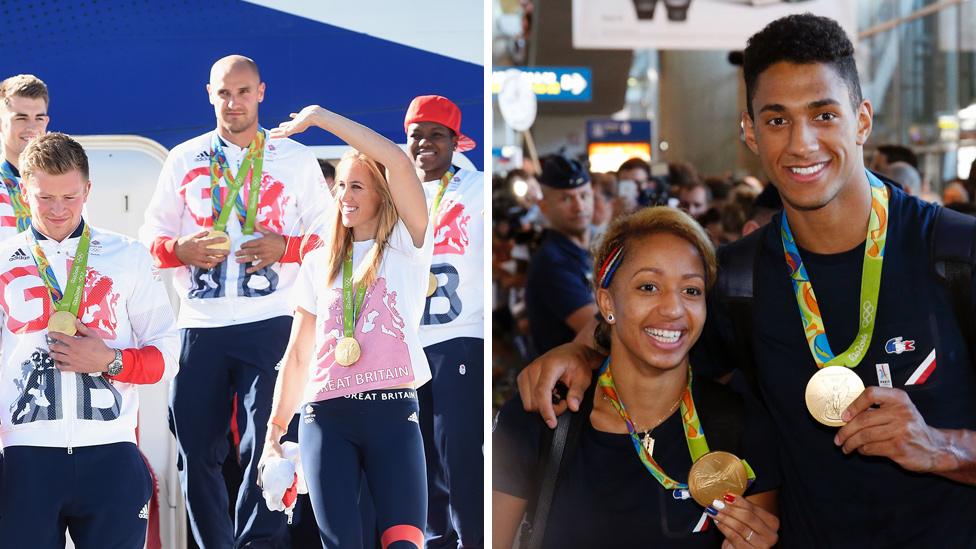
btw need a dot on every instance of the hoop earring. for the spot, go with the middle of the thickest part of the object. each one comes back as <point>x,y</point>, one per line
<point>610,318</point>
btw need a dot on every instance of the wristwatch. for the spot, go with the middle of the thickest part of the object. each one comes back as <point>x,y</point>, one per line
<point>115,367</point>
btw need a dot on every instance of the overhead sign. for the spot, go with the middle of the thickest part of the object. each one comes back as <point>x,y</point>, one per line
<point>618,131</point>
<point>611,142</point>
<point>550,83</point>
<point>690,24</point>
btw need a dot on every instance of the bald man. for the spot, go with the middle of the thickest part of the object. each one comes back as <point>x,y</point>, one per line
<point>234,262</point>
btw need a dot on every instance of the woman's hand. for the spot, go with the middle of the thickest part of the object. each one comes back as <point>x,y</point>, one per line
<point>300,121</point>
<point>272,449</point>
<point>744,524</point>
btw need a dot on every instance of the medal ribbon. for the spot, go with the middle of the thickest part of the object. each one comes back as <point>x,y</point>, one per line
<point>251,167</point>
<point>349,308</point>
<point>445,180</point>
<point>17,200</point>
<point>70,299</point>
<point>694,435</point>
<point>813,325</point>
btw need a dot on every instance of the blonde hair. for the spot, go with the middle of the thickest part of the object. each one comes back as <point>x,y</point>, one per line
<point>648,221</point>
<point>54,154</point>
<point>341,243</point>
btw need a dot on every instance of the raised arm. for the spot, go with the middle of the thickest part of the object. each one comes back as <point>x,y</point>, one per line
<point>405,186</point>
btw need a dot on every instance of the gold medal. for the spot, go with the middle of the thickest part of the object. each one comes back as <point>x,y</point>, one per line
<point>716,474</point>
<point>62,322</point>
<point>347,351</point>
<point>431,284</point>
<point>225,245</point>
<point>830,391</point>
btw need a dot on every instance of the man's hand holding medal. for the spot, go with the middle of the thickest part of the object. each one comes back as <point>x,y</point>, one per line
<point>83,353</point>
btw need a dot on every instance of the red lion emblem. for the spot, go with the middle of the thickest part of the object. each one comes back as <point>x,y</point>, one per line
<point>451,230</point>
<point>97,309</point>
<point>271,203</point>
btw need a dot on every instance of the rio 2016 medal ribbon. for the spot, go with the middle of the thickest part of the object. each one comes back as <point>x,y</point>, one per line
<point>17,200</point>
<point>250,168</point>
<point>67,303</point>
<point>694,437</point>
<point>435,207</point>
<point>347,350</point>
<point>716,474</point>
<point>830,391</point>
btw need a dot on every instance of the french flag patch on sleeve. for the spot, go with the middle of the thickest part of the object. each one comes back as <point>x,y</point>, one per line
<point>924,370</point>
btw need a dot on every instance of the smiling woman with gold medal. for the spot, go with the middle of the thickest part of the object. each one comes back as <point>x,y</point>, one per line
<point>660,458</point>
<point>354,357</point>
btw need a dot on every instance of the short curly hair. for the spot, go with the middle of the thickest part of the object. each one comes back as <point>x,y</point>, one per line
<point>801,39</point>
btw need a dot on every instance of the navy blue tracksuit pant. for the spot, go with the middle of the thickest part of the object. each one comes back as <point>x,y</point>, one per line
<point>452,421</point>
<point>371,436</point>
<point>216,364</point>
<point>99,494</point>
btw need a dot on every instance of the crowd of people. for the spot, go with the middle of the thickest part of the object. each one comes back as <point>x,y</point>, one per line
<point>632,330</point>
<point>346,311</point>
<point>728,207</point>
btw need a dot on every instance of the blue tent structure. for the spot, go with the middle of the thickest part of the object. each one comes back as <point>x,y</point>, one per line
<point>140,67</point>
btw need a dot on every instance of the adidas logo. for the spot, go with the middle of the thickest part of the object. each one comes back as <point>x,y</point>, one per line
<point>19,255</point>
<point>144,514</point>
<point>203,156</point>
<point>413,417</point>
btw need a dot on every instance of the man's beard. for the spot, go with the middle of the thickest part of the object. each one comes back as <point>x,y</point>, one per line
<point>240,125</point>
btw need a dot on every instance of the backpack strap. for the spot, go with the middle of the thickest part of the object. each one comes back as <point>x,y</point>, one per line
<point>556,455</point>
<point>953,246</point>
<point>736,290</point>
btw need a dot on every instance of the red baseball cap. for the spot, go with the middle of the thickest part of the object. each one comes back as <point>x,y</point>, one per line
<point>434,108</point>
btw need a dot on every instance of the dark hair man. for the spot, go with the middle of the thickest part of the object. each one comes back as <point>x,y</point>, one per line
<point>694,198</point>
<point>636,170</point>
<point>24,104</point>
<point>85,319</point>
<point>888,154</point>
<point>904,461</point>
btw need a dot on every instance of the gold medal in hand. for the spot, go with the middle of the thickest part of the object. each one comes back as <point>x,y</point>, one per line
<point>716,474</point>
<point>224,245</point>
<point>62,322</point>
<point>830,391</point>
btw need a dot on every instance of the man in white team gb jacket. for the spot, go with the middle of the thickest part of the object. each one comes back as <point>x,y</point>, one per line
<point>85,319</point>
<point>229,216</point>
